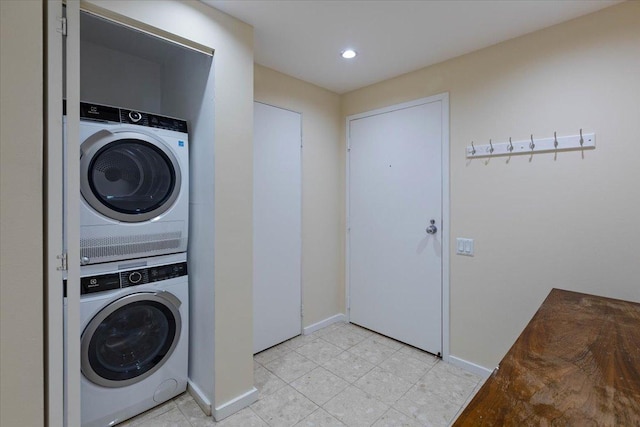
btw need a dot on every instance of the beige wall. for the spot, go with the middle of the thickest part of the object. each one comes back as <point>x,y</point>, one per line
<point>568,222</point>
<point>322,182</point>
<point>21,220</point>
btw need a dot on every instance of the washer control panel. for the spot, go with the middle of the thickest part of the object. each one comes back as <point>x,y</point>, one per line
<point>125,279</point>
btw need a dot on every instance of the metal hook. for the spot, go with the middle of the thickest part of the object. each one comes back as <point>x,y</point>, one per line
<point>473,149</point>
<point>491,146</point>
<point>581,140</point>
<point>510,146</point>
<point>555,140</point>
<point>532,145</point>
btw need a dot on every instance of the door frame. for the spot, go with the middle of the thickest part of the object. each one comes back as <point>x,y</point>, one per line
<point>445,226</point>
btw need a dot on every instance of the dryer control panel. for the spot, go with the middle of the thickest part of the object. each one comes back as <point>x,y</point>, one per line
<point>125,279</point>
<point>104,113</point>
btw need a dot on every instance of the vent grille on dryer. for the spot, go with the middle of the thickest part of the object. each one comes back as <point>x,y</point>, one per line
<point>99,248</point>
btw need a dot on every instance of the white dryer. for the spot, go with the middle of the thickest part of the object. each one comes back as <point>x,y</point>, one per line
<point>134,343</point>
<point>134,180</point>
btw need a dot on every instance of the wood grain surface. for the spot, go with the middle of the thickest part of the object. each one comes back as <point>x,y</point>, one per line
<point>577,363</point>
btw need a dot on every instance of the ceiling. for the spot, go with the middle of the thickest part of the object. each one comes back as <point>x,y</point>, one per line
<point>304,38</point>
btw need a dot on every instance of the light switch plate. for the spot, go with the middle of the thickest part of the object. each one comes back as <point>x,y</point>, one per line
<point>464,246</point>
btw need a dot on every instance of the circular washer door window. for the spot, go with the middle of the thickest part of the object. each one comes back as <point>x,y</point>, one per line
<point>129,178</point>
<point>129,340</point>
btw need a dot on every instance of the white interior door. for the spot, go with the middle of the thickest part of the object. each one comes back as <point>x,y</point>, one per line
<point>277,232</point>
<point>395,190</point>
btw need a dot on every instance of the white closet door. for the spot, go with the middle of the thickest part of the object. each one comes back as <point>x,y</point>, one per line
<point>395,191</point>
<point>67,172</point>
<point>277,232</point>
<point>55,360</point>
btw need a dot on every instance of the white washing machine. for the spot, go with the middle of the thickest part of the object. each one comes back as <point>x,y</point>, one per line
<point>134,180</point>
<point>134,344</point>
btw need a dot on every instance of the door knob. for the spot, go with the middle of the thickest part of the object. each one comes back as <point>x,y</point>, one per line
<point>432,229</point>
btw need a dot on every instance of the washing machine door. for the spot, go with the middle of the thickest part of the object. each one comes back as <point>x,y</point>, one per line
<point>128,176</point>
<point>131,338</point>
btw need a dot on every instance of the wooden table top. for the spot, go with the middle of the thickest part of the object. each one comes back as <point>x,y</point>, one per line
<point>577,363</point>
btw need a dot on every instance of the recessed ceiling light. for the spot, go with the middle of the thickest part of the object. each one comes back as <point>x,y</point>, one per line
<point>348,54</point>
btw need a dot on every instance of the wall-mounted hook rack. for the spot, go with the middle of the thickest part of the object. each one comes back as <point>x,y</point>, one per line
<point>555,143</point>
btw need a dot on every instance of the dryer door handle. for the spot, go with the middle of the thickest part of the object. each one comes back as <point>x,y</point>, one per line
<point>169,297</point>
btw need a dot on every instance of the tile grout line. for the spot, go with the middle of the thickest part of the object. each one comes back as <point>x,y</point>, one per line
<point>372,337</point>
<point>258,415</point>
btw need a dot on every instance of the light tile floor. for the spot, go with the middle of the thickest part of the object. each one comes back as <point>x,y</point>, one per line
<point>342,375</point>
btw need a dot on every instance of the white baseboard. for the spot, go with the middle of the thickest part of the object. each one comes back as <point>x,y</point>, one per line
<point>470,366</point>
<point>199,397</point>
<point>234,405</point>
<point>324,323</point>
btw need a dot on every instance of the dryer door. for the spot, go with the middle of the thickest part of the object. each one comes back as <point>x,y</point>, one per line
<point>128,176</point>
<point>130,338</point>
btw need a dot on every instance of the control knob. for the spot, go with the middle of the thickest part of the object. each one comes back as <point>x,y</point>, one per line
<point>135,277</point>
<point>135,116</point>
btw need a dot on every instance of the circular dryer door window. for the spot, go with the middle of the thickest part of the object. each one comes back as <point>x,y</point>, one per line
<point>129,178</point>
<point>130,339</point>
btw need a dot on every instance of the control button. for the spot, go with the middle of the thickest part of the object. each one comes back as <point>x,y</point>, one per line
<point>135,116</point>
<point>135,277</point>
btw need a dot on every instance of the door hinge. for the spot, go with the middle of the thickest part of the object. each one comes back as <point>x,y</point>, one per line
<point>63,26</point>
<point>301,311</point>
<point>63,262</point>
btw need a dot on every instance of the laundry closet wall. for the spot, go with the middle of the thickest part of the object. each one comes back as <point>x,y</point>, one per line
<point>541,222</point>
<point>231,377</point>
<point>322,178</point>
<point>21,214</point>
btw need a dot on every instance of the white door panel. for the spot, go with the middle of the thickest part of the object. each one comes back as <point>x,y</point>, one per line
<point>73,398</point>
<point>395,189</point>
<point>277,229</point>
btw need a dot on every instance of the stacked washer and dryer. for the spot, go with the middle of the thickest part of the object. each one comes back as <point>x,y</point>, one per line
<point>134,304</point>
